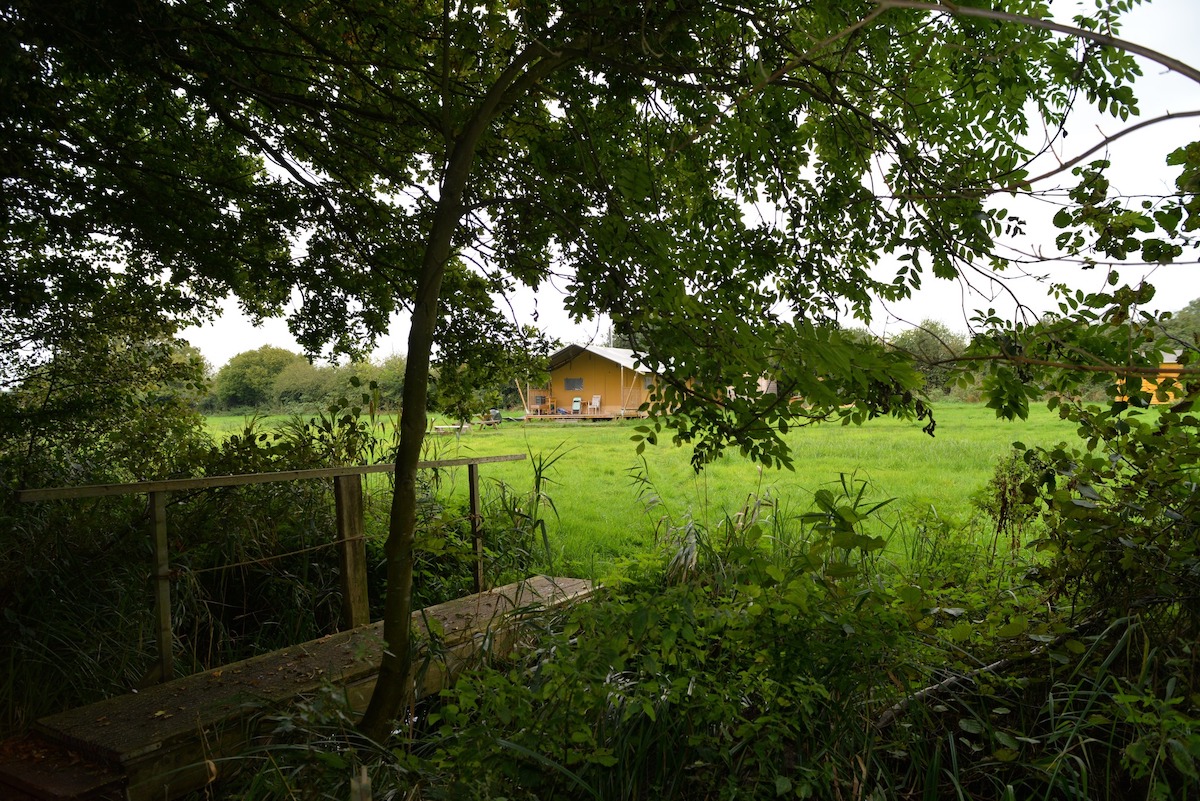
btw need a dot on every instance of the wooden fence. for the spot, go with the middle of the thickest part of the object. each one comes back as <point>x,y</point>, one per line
<point>351,537</point>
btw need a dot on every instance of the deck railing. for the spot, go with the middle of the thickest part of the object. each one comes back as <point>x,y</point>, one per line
<point>351,529</point>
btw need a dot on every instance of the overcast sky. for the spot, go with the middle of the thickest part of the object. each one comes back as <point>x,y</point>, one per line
<point>1169,26</point>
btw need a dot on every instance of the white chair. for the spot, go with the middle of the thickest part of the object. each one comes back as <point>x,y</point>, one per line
<point>594,406</point>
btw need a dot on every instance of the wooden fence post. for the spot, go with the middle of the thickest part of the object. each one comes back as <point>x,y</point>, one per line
<point>352,550</point>
<point>162,586</point>
<point>476,524</point>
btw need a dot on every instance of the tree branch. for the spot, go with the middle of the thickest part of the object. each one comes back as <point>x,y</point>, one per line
<point>1085,368</point>
<point>1173,64</point>
<point>1106,141</point>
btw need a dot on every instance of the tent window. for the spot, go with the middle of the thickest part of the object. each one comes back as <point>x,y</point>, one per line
<point>572,384</point>
<point>649,382</point>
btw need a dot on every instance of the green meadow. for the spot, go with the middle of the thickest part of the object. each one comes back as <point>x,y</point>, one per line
<point>609,503</point>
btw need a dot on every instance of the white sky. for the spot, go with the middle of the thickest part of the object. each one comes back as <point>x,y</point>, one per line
<point>1170,26</point>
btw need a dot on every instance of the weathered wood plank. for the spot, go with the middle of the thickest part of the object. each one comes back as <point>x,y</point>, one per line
<point>163,738</point>
<point>32,769</point>
<point>164,638</point>
<point>352,551</point>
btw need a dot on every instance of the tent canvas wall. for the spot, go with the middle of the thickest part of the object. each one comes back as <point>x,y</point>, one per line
<point>584,371</point>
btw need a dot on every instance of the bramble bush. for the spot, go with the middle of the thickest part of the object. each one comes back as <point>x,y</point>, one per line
<point>751,660</point>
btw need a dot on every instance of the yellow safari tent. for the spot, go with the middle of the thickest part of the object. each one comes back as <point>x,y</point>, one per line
<point>1168,369</point>
<point>590,381</point>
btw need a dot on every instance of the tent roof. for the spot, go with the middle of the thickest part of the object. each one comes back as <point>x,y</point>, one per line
<point>621,356</point>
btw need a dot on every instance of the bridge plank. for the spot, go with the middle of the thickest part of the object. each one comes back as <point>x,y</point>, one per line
<point>163,738</point>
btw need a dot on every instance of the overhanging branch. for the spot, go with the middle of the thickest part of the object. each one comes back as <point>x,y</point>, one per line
<point>1173,64</point>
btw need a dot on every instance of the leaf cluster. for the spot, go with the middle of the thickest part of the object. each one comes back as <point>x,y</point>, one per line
<point>349,158</point>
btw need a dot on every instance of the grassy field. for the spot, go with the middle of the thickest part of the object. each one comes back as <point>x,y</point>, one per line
<point>601,517</point>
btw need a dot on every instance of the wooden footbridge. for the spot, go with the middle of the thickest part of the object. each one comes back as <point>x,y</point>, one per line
<point>171,738</point>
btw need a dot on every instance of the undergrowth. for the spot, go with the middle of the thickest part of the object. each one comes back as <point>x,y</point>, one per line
<point>843,649</point>
<point>253,569</point>
<point>785,653</point>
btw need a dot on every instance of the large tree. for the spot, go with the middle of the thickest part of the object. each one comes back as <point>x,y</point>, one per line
<point>248,379</point>
<point>933,347</point>
<point>720,179</point>
<point>1184,324</point>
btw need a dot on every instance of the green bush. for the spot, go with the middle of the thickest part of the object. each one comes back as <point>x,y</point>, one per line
<point>793,655</point>
<point>251,574</point>
<point>754,673</point>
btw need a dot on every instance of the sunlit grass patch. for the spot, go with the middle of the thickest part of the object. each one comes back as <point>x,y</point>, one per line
<point>608,502</point>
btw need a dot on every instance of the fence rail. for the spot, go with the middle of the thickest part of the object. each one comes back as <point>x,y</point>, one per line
<point>208,482</point>
<point>351,529</point>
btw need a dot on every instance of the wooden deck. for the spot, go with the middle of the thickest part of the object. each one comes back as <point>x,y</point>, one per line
<point>168,739</point>
<point>582,417</point>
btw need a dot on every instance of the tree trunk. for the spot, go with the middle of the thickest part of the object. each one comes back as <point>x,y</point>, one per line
<point>394,686</point>
<point>393,689</point>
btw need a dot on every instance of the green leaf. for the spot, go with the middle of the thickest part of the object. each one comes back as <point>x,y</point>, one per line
<point>648,709</point>
<point>335,761</point>
<point>1014,628</point>
<point>1005,739</point>
<point>635,183</point>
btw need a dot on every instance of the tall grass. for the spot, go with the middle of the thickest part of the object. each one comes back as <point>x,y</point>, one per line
<point>750,658</point>
<point>593,482</point>
<point>779,652</point>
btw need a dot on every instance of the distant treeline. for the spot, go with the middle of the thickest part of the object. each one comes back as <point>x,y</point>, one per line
<point>272,378</point>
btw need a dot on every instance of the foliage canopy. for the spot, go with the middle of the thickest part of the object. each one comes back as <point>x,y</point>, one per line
<point>1185,323</point>
<point>934,347</point>
<point>432,157</point>
<point>248,379</point>
<point>618,145</point>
